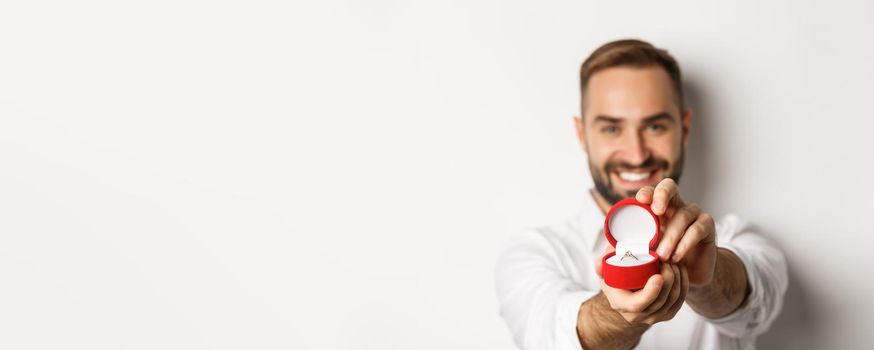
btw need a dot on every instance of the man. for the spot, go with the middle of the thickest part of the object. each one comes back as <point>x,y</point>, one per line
<point>720,284</point>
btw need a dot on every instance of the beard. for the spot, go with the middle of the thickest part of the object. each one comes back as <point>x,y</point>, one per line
<point>604,184</point>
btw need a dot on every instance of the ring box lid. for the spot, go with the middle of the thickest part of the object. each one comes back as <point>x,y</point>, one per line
<point>631,225</point>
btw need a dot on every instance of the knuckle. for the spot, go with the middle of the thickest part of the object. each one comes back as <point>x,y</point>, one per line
<point>693,229</point>
<point>687,214</point>
<point>699,228</point>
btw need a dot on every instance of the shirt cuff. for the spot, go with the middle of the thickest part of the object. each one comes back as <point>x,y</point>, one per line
<point>740,322</point>
<point>566,318</point>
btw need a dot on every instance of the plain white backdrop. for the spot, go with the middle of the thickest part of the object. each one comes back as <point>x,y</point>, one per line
<point>342,174</point>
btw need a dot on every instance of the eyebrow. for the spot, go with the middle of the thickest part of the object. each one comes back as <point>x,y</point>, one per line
<point>616,120</point>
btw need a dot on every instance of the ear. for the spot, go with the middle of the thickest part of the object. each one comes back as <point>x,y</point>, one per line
<point>687,125</point>
<point>581,131</point>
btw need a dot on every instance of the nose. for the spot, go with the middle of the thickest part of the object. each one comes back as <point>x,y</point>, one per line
<point>636,152</point>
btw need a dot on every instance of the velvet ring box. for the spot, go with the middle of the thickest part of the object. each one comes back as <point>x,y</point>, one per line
<point>633,229</point>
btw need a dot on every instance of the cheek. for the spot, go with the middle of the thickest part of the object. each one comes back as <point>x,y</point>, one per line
<point>599,158</point>
<point>601,148</point>
<point>666,149</point>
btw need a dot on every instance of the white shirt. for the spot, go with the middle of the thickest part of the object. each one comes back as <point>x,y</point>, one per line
<point>545,274</point>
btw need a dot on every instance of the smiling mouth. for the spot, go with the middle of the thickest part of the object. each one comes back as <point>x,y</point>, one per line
<point>636,178</point>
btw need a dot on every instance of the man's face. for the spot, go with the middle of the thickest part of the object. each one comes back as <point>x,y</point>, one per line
<point>632,129</point>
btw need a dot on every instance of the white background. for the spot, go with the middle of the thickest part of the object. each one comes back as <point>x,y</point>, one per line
<point>342,174</point>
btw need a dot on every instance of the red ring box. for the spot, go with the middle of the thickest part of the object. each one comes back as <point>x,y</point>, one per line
<point>630,226</point>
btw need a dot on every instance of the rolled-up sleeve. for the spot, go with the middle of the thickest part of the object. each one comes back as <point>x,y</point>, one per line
<point>767,276</point>
<point>537,300</point>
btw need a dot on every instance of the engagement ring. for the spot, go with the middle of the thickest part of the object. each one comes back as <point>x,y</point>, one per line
<point>628,255</point>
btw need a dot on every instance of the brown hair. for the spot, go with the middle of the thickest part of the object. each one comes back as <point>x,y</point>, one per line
<point>635,53</point>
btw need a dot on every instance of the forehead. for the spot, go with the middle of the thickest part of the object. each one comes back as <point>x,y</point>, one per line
<point>630,93</point>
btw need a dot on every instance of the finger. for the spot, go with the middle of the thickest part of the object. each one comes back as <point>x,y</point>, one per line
<point>635,314</point>
<point>637,301</point>
<point>703,230</point>
<point>660,313</point>
<point>676,228</point>
<point>663,194</point>
<point>668,275</point>
<point>644,195</point>
<point>678,290</point>
<point>684,290</point>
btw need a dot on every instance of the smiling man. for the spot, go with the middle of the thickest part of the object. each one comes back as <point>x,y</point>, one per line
<point>721,284</point>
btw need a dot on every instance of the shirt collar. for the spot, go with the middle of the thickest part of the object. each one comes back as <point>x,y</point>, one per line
<point>591,220</point>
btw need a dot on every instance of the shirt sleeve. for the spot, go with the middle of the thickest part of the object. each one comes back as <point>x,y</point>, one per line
<point>766,274</point>
<point>537,300</point>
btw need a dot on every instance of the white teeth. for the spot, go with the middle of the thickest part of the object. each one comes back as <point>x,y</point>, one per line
<point>632,177</point>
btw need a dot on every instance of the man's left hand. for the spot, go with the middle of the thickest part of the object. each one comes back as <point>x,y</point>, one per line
<point>688,233</point>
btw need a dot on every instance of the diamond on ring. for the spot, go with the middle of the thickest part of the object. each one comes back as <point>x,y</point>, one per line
<point>628,255</point>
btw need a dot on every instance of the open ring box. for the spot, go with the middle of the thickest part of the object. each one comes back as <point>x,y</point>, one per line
<point>630,226</point>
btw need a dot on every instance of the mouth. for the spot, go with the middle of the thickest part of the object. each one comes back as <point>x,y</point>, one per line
<point>635,179</point>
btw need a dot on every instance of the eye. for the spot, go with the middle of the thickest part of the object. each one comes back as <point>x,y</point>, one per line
<point>656,127</point>
<point>611,129</point>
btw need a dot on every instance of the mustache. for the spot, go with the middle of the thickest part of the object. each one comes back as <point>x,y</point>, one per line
<point>649,163</point>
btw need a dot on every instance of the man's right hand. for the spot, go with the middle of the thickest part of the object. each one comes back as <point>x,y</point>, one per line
<point>617,318</point>
<point>659,300</point>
